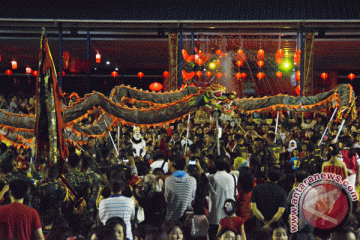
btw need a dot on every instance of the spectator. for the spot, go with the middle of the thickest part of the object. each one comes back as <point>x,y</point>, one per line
<point>118,206</point>
<point>180,189</point>
<point>222,187</point>
<point>18,221</point>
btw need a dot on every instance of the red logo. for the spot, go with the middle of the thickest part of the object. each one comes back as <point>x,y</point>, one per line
<point>325,205</point>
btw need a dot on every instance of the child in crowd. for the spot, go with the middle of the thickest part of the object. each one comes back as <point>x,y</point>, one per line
<point>231,220</point>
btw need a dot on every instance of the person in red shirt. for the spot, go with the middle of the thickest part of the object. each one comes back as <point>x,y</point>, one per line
<point>17,220</point>
<point>232,221</point>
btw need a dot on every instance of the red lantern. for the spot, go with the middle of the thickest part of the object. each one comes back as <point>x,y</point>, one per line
<point>297,76</point>
<point>140,75</point>
<point>98,57</point>
<point>324,75</point>
<point>193,85</point>
<point>35,73</point>
<point>209,73</point>
<point>238,75</point>
<point>279,74</point>
<point>351,76</point>
<point>155,86</point>
<point>28,70</point>
<point>8,72</point>
<point>114,74</point>
<point>297,90</point>
<point>218,74</point>
<point>243,75</point>
<point>261,54</point>
<point>218,52</point>
<point>260,75</point>
<point>199,74</point>
<point>63,73</point>
<point>66,59</point>
<point>14,64</point>
<point>239,63</point>
<point>260,63</point>
<point>166,74</point>
<point>280,53</point>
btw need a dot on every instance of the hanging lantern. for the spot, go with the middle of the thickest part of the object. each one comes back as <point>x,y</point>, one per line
<point>28,70</point>
<point>351,76</point>
<point>114,74</point>
<point>243,75</point>
<point>35,73</point>
<point>280,52</point>
<point>239,63</point>
<point>209,73</point>
<point>0,58</point>
<point>218,52</point>
<point>297,56</point>
<point>279,74</point>
<point>14,64</point>
<point>63,73</point>
<point>199,74</point>
<point>297,90</point>
<point>261,55</point>
<point>324,75</point>
<point>238,75</point>
<point>218,74</point>
<point>155,86</point>
<point>140,75</point>
<point>260,63</point>
<point>98,57</point>
<point>8,72</point>
<point>65,59</point>
<point>297,76</point>
<point>260,75</point>
<point>166,74</point>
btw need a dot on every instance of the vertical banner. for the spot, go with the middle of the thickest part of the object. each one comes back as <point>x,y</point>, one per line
<point>171,83</point>
<point>49,122</point>
<point>308,64</point>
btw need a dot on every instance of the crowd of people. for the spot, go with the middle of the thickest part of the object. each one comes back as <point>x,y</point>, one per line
<point>193,180</point>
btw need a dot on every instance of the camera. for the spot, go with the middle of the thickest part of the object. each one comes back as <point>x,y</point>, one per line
<point>192,162</point>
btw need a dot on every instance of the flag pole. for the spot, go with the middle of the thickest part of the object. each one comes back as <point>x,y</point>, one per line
<point>323,135</point>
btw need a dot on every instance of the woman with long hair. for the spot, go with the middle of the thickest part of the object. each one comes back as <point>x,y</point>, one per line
<point>334,165</point>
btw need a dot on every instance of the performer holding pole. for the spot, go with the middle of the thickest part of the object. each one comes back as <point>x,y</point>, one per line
<point>187,134</point>
<point>112,140</point>
<point>338,134</point>
<point>277,124</point>
<point>332,117</point>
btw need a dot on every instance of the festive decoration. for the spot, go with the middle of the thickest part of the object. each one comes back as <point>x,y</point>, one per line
<point>297,90</point>
<point>28,70</point>
<point>261,55</point>
<point>243,75</point>
<point>279,56</point>
<point>297,57</point>
<point>199,74</point>
<point>219,75</point>
<point>98,57</point>
<point>298,76</point>
<point>260,75</point>
<point>66,58</point>
<point>238,75</point>
<point>241,55</point>
<point>279,74</point>
<point>260,63</point>
<point>63,73</point>
<point>138,143</point>
<point>324,75</point>
<point>155,86</point>
<point>114,74</point>
<point>166,74</point>
<point>218,52</point>
<point>8,72</point>
<point>239,63</point>
<point>14,64</point>
<point>209,73</point>
<point>140,75</point>
<point>35,73</point>
<point>351,76</point>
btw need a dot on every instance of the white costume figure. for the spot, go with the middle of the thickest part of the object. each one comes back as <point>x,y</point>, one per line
<point>138,143</point>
